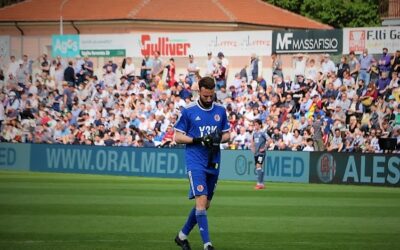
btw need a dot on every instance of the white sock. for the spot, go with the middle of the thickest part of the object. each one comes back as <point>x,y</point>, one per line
<point>207,244</point>
<point>182,236</point>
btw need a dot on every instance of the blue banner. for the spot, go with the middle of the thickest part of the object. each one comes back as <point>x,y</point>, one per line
<point>65,45</point>
<point>15,156</point>
<point>279,166</point>
<point>108,160</point>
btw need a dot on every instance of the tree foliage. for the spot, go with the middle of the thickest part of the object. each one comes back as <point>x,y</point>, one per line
<point>338,13</point>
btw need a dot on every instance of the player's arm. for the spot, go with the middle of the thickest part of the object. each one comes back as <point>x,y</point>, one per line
<point>182,138</point>
<point>226,136</point>
<point>252,145</point>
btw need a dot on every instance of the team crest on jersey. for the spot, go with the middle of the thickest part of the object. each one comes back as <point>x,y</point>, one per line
<point>200,188</point>
<point>217,118</point>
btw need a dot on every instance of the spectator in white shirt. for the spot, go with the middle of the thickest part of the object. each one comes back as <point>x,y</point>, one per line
<point>327,65</point>
<point>210,64</point>
<point>129,70</point>
<point>309,147</point>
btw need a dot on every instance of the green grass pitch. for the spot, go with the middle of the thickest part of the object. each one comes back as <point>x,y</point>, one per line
<point>68,211</point>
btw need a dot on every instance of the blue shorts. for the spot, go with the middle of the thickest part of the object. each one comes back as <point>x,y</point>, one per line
<point>202,183</point>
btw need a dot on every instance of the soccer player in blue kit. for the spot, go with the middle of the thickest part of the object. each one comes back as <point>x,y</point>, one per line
<point>202,126</point>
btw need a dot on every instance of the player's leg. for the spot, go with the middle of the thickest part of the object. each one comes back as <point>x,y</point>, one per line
<point>201,192</point>
<point>259,160</point>
<point>182,238</point>
<point>198,188</point>
<point>202,204</point>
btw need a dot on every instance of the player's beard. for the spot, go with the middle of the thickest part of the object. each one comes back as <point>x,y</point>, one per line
<point>205,105</point>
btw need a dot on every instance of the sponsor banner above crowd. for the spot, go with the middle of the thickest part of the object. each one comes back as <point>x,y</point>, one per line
<point>238,43</point>
<point>307,41</point>
<point>374,39</point>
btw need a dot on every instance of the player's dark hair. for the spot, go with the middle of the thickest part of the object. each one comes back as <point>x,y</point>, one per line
<point>207,82</point>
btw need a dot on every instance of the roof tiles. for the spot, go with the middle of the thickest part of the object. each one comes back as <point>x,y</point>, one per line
<point>254,12</point>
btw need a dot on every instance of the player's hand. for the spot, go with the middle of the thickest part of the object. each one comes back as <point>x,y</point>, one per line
<point>206,141</point>
<point>216,138</point>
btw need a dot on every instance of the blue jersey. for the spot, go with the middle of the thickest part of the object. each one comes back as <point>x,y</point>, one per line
<point>196,121</point>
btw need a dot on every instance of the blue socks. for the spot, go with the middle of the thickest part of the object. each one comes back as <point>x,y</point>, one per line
<point>190,223</point>
<point>201,216</point>
<point>260,176</point>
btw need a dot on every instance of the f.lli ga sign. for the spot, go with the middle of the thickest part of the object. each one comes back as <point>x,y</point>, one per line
<point>307,41</point>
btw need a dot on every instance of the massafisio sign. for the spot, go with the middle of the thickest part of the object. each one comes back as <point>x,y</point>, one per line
<point>279,166</point>
<point>367,169</point>
<point>374,39</point>
<point>307,41</point>
<point>238,43</point>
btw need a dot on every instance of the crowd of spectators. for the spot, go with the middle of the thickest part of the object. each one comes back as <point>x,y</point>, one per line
<point>345,106</point>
